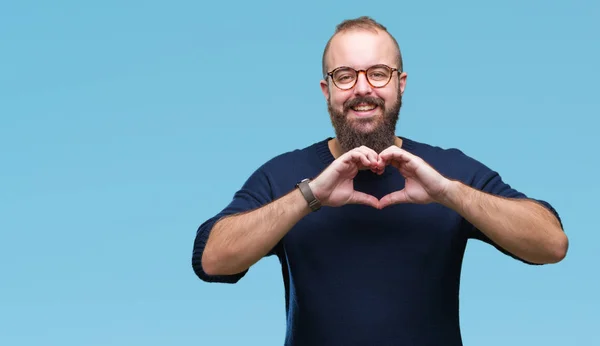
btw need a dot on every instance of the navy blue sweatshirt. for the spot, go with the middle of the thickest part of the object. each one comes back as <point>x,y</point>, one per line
<point>355,275</point>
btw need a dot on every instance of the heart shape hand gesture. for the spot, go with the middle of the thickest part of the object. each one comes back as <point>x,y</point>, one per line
<point>335,186</point>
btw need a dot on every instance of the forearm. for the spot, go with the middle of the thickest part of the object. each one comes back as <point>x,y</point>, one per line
<point>522,227</point>
<point>237,242</point>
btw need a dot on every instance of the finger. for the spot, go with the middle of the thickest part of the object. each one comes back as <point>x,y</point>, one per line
<point>402,168</point>
<point>358,197</point>
<point>397,154</point>
<point>370,153</point>
<point>395,197</point>
<point>352,157</point>
<point>372,156</point>
<point>407,166</point>
<point>389,150</point>
<point>404,171</point>
<point>361,159</point>
<point>394,156</point>
<point>399,165</point>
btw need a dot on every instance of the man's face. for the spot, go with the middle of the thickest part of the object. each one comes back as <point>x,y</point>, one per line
<point>364,115</point>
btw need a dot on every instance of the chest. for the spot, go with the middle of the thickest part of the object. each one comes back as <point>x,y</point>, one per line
<point>420,236</point>
<point>413,224</point>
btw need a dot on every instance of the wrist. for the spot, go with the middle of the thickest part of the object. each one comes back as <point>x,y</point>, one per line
<point>451,196</point>
<point>308,194</point>
<point>314,187</point>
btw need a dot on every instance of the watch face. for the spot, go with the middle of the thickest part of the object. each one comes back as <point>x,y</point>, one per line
<point>301,181</point>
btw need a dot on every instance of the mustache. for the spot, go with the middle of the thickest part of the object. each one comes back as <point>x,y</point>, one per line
<point>358,100</point>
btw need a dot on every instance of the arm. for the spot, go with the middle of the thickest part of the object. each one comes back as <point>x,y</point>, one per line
<point>236,242</point>
<point>242,238</point>
<point>521,226</point>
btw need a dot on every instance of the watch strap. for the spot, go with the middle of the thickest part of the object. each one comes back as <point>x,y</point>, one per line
<point>310,198</point>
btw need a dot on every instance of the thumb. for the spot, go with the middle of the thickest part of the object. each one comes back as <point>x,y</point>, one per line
<point>358,197</point>
<point>395,197</point>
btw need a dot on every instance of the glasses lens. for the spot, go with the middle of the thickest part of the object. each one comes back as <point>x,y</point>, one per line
<point>344,78</point>
<point>379,75</point>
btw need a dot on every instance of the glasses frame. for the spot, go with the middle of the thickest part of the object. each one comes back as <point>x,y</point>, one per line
<point>358,72</point>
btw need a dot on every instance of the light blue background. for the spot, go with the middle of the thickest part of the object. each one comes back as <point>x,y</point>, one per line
<point>124,125</point>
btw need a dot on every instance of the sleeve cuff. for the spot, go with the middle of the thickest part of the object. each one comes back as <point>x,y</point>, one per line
<point>199,245</point>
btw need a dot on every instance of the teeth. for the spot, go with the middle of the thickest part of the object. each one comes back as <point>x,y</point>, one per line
<point>363,108</point>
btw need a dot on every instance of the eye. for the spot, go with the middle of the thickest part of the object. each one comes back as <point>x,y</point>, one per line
<point>378,74</point>
<point>344,76</point>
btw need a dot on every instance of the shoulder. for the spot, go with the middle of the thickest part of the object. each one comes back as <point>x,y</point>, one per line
<point>314,154</point>
<point>450,161</point>
<point>282,171</point>
<point>448,155</point>
<point>267,177</point>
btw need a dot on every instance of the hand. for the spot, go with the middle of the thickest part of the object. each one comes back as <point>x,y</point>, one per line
<point>423,183</point>
<point>335,185</point>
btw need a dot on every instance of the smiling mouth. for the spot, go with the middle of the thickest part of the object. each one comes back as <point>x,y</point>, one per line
<point>364,107</point>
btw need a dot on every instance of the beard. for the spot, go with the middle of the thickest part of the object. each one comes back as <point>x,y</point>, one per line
<point>351,134</point>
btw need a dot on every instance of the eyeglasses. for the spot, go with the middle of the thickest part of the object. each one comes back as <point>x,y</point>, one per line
<point>378,76</point>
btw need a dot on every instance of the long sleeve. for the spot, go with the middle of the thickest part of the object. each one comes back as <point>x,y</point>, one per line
<point>491,182</point>
<point>255,193</point>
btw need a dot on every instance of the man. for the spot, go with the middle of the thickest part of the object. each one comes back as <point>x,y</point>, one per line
<point>371,245</point>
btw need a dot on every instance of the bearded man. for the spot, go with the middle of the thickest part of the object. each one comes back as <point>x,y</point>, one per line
<point>370,228</point>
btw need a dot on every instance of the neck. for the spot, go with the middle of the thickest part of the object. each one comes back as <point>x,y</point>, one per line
<point>336,149</point>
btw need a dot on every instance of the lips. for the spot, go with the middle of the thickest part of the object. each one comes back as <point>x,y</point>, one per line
<point>364,107</point>
<point>363,104</point>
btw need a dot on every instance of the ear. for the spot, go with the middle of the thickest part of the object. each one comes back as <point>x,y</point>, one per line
<point>325,89</point>
<point>402,82</point>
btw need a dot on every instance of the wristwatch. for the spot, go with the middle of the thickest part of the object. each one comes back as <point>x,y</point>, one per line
<point>310,198</point>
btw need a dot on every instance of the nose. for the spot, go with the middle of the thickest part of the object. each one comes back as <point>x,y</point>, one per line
<point>362,86</point>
